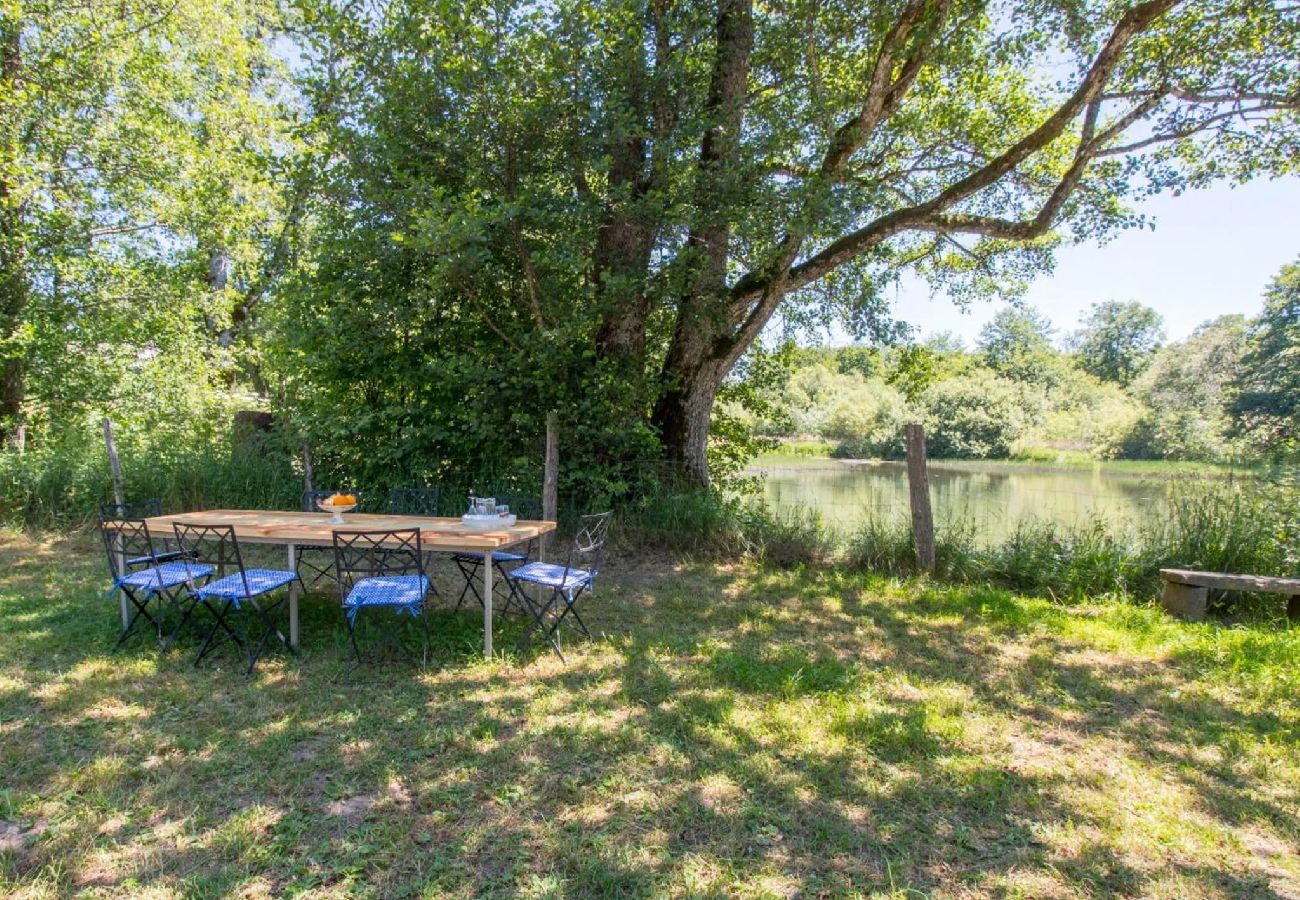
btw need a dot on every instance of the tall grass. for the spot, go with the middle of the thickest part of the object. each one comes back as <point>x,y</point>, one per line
<point>714,523</point>
<point>1248,525</point>
<point>61,486</point>
<point>1229,527</point>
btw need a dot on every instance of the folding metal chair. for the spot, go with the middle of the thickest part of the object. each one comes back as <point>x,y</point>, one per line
<point>215,547</point>
<point>504,561</point>
<point>140,574</point>
<point>382,570</point>
<point>566,583</point>
<point>134,511</point>
<point>413,501</point>
<point>318,561</point>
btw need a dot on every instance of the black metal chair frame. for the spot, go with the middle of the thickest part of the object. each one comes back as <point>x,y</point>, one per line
<point>471,564</point>
<point>376,554</point>
<point>318,561</point>
<point>585,553</point>
<point>135,510</point>
<point>413,501</point>
<point>129,548</point>
<point>195,542</point>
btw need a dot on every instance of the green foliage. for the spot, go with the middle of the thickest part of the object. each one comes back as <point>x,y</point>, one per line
<point>979,416</point>
<point>1017,344</point>
<point>60,484</point>
<point>412,229</point>
<point>711,522</point>
<point>1118,339</point>
<point>1018,396</point>
<point>1224,526</point>
<point>867,420</point>
<point>1073,563</point>
<point>141,201</point>
<point>1230,527</point>
<point>887,545</point>
<point>1185,391</point>
<point>1266,404</point>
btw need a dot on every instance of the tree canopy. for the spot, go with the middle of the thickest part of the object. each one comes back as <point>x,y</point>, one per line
<point>1117,340</point>
<point>412,227</point>
<point>1267,398</point>
<point>653,183</point>
<point>1017,342</point>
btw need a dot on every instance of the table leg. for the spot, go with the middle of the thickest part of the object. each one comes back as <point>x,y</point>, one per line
<point>293,599</point>
<point>121,594</point>
<point>487,603</point>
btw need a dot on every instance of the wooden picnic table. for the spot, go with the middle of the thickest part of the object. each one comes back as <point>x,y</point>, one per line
<point>309,529</point>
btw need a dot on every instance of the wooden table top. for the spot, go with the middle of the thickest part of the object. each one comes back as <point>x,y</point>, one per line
<point>266,527</point>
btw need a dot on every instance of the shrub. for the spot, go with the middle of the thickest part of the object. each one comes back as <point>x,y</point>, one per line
<point>1045,557</point>
<point>61,483</point>
<point>867,420</point>
<point>886,545</point>
<point>976,416</point>
<point>790,538</point>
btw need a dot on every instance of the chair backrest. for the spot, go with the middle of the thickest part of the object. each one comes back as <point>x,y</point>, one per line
<point>413,501</point>
<point>131,509</point>
<point>588,546</point>
<point>375,554</point>
<point>209,545</point>
<point>125,538</point>
<point>310,498</point>
<point>523,505</point>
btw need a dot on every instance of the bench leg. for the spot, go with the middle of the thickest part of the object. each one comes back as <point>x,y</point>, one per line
<point>1185,600</point>
<point>1293,608</point>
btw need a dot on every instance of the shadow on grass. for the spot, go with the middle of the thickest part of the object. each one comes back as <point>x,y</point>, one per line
<point>764,730</point>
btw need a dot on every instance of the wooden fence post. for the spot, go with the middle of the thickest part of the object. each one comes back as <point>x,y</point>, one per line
<point>551,475</point>
<point>918,484</point>
<point>114,464</point>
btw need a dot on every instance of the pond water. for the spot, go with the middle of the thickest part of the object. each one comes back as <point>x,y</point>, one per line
<point>994,496</point>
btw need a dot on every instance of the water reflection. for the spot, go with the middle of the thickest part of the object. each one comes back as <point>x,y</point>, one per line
<point>995,497</point>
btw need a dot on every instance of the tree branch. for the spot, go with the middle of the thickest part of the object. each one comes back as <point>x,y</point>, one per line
<point>884,93</point>
<point>757,286</point>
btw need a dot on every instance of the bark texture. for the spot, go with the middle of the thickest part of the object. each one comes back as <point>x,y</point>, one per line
<point>696,361</point>
<point>14,285</point>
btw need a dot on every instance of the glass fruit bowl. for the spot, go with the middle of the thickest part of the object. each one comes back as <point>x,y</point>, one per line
<point>338,505</point>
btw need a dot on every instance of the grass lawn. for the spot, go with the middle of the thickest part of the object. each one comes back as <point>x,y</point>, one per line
<point>734,731</point>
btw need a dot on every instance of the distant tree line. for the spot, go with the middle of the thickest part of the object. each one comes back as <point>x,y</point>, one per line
<point>1112,389</point>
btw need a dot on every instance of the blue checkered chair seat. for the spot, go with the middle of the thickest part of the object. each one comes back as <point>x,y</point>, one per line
<point>163,577</point>
<point>260,581</point>
<point>405,593</point>
<point>499,556</point>
<point>554,576</point>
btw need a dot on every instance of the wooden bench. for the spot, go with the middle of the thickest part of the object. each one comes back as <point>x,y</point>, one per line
<point>1186,590</point>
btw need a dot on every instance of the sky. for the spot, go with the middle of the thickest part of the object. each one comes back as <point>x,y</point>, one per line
<point>1212,252</point>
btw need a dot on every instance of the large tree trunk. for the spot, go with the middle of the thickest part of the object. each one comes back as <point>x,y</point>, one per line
<point>693,374</point>
<point>700,354</point>
<point>626,236</point>
<point>622,257</point>
<point>14,286</point>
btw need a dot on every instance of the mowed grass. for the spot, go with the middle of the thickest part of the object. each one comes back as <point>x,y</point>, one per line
<point>733,731</point>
